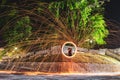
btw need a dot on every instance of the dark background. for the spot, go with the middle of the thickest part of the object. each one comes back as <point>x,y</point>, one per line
<point>112,16</point>
<point>112,10</point>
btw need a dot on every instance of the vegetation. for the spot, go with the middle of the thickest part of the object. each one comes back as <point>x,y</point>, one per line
<point>19,32</point>
<point>83,20</point>
<point>40,25</point>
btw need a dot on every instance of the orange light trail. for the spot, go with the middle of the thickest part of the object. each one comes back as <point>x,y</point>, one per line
<point>73,45</point>
<point>51,74</point>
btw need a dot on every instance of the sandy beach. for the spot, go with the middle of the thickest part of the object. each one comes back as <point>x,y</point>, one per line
<point>13,75</point>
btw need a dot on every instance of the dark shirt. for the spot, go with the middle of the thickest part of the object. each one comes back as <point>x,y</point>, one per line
<point>70,52</point>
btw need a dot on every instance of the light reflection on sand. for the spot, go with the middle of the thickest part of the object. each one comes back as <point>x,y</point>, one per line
<point>43,73</point>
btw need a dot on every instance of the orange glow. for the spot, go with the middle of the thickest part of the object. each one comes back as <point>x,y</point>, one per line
<point>82,74</point>
<point>68,42</point>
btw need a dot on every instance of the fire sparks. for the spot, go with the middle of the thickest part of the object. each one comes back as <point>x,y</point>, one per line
<point>69,47</point>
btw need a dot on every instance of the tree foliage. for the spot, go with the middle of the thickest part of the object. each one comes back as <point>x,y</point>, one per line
<point>83,19</point>
<point>20,31</point>
<point>33,23</point>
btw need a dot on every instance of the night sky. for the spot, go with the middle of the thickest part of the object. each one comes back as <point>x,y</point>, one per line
<point>112,10</point>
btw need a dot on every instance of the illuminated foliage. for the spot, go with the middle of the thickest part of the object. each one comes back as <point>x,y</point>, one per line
<point>83,19</point>
<point>20,31</point>
<point>49,24</point>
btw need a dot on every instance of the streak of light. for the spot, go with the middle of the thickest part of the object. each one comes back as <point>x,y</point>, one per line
<point>52,74</point>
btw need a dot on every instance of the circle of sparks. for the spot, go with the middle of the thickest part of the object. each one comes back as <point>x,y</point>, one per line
<point>75,51</point>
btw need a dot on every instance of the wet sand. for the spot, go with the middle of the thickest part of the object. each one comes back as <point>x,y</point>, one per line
<point>13,75</point>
